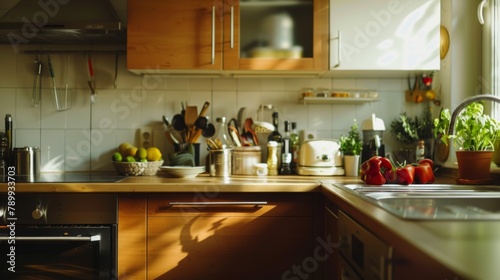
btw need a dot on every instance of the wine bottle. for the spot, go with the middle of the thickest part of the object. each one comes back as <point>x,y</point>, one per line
<point>286,155</point>
<point>275,135</point>
<point>294,145</point>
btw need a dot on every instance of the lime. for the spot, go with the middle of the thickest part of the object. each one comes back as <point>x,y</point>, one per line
<point>154,154</point>
<point>117,157</point>
<point>143,160</point>
<point>129,159</point>
<point>141,153</point>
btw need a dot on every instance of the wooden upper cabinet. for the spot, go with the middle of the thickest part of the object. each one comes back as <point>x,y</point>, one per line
<point>228,35</point>
<point>174,35</point>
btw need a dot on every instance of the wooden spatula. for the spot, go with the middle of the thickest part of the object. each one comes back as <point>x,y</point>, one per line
<point>190,118</point>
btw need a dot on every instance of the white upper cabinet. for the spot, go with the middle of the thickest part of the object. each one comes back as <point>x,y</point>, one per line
<point>384,35</point>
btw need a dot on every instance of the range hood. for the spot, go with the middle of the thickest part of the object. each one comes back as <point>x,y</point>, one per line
<point>61,22</point>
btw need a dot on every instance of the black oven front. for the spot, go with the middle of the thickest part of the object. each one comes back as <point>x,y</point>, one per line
<point>59,236</point>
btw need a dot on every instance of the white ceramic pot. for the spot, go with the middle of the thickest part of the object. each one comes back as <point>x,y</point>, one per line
<point>351,165</point>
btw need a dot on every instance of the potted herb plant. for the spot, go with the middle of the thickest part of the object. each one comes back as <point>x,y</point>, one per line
<point>351,146</point>
<point>473,139</point>
<point>405,130</point>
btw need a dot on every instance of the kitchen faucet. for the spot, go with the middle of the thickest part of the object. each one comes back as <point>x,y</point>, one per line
<point>466,102</point>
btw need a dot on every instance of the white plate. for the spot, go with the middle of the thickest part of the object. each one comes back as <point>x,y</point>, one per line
<point>182,171</point>
<point>182,168</point>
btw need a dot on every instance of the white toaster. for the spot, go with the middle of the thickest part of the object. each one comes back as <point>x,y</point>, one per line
<point>320,157</point>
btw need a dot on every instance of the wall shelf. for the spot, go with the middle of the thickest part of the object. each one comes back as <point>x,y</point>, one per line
<point>337,100</point>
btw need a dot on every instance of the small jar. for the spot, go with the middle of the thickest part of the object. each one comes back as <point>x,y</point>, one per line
<point>260,169</point>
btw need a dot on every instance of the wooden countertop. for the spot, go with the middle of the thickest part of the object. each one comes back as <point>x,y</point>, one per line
<point>469,248</point>
<point>202,182</point>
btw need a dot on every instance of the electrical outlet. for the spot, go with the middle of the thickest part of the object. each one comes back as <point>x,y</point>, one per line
<point>146,137</point>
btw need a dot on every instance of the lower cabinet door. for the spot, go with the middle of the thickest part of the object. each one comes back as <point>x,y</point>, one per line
<point>272,241</point>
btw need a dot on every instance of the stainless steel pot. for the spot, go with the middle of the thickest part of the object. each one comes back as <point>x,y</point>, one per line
<point>27,161</point>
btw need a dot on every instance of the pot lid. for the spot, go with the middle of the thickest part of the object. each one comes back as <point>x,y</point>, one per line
<point>373,123</point>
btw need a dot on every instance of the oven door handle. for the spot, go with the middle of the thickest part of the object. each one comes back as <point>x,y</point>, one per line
<point>54,238</point>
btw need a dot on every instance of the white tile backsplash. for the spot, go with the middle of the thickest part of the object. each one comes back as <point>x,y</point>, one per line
<point>52,150</point>
<point>84,137</point>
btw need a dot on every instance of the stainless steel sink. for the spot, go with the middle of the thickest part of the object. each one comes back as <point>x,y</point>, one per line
<point>434,202</point>
<point>420,188</point>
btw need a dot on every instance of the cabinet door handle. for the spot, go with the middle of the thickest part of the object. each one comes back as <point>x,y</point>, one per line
<point>218,203</point>
<point>480,8</point>
<point>232,27</point>
<point>339,52</point>
<point>213,35</point>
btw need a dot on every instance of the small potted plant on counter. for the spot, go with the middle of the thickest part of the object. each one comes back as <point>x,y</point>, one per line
<point>351,146</point>
<point>473,139</point>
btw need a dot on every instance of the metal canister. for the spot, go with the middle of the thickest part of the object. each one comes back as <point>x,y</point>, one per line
<point>220,162</point>
<point>27,161</point>
<point>244,158</point>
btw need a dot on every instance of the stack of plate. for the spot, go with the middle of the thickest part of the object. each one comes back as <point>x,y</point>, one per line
<point>182,171</point>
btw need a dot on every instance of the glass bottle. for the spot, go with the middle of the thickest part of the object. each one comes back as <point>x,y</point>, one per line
<point>294,143</point>
<point>286,155</point>
<point>8,131</point>
<point>420,151</point>
<point>272,158</point>
<point>221,137</point>
<point>275,135</point>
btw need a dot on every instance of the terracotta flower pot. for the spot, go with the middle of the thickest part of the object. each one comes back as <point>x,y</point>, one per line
<point>496,152</point>
<point>474,165</point>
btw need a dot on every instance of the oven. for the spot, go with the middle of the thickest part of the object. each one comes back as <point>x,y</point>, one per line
<point>59,236</point>
<point>362,254</point>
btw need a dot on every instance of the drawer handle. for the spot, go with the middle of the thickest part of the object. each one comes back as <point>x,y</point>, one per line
<point>218,203</point>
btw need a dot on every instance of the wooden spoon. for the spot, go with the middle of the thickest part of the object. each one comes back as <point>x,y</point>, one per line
<point>248,129</point>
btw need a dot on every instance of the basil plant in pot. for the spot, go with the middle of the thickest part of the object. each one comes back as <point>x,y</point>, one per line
<point>351,146</point>
<point>473,139</point>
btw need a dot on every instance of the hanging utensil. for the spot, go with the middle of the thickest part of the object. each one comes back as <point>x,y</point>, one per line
<point>67,99</point>
<point>91,80</point>
<point>53,77</point>
<point>116,70</point>
<point>37,83</point>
